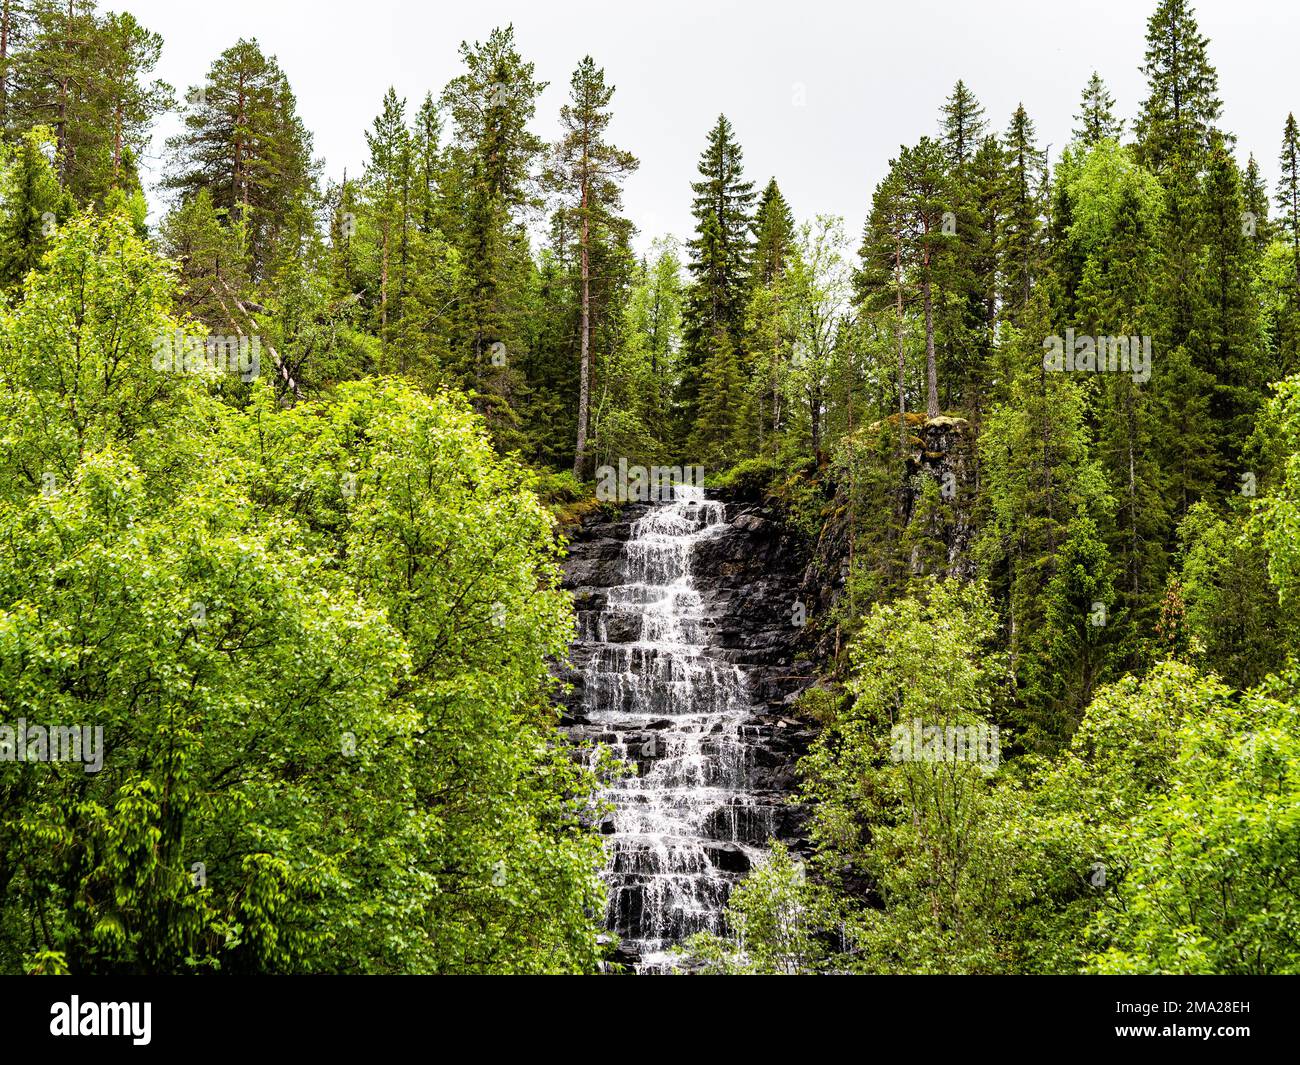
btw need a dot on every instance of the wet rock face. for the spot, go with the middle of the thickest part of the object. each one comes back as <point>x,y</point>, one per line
<point>685,667</point>
<point>943,451</point>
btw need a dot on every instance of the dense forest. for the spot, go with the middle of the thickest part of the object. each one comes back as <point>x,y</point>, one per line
<point>287,469</point>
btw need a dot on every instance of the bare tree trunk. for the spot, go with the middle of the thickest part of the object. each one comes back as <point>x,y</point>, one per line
<point>62,125</point>
<point>584,366</point>
<point>902,361</point>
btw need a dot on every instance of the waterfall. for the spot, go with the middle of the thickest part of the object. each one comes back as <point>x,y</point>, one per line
<point>665,699</point>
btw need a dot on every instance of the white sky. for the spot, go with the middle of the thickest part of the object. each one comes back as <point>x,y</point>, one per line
<point>873,74</point>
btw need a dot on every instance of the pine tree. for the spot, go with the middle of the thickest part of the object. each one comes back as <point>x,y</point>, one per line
<point>586,171</point>
<point>719,257</point>
<point>85,76</point>
<point>128,52</point>
<point>246,145</point>
<point>17,24</point>
<point>1096,119</point>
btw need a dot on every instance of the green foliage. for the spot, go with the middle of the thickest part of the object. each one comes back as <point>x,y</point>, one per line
<point>1210,879</point>
<point>33,205</point>
<point>777,919</point>
<point>918,828</point>
<point>316,641</point>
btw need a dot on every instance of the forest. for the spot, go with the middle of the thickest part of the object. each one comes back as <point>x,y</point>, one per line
<point>289,467</point>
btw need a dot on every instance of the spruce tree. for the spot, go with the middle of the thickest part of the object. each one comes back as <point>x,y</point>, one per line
<point>1070,652</point>
<point>1288,191</point>
<point>719,427</point>
<point>31,206</point>
<point>719,257</point>
<point>927,195</point>
<point>1254,194</point>
<point>1020,243</point>
<point>1096,119</point>
<point>1230,339</point>
<point>767,331</point>
<point>492,183</point>
<point>1182,103</point>
<point>773,236</point>
<point>388,185</point>
<point>963,125</point>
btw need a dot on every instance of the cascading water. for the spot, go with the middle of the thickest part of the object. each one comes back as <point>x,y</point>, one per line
<point>684,827</point>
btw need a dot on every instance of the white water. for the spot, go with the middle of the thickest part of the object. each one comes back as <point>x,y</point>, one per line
<point>662,876</point>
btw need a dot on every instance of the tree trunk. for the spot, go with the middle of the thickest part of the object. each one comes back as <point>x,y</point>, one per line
<point>902,359</point>
<point>5,18</point>
<point>584,366</point>
<point>931,369</point>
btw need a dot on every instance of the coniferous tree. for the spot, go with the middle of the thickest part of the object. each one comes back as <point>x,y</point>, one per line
<point>774,232</point>
<point>1020,242</point>
<point>85,76</point>
<point>766,326</point>
<point>879,283</point>
<point>963,125</point>
<point>717,437</point>
<point>492,186</point>
<point>1182,104</point>
<point>31,207</point>
<point>1096,119</point>
<point>17,24</point>
<point>245,144</point>
<point>389,188</point>
<point>1288,191</point>
<point>719,258</point>
<point>586,171</point>
<point>1230,340</point>
<point>927,195</point>
<point>1255,221</point>
<point>1283,268</point>
<point>1070,652</point>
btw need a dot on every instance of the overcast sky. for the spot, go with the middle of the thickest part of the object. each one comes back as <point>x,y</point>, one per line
<point>821,94</point>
